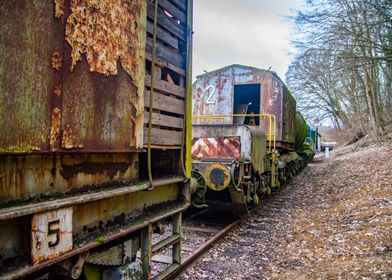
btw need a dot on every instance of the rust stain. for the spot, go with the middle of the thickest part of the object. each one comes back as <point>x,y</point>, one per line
<point>110,168</point>
<point>51,234</point>
<point>49,172</point>
<point>106,32</point>
<point>55,129</point>
<point>57,61</point>
<point>59,7</point>
<point>275,98</point>
<point>69,139</point>
<point>29,36</point>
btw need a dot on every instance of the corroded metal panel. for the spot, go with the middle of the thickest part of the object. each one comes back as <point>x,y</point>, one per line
<point>289,104</point>
<point>272,102</point>
<point>99,113</point>
<point>218,147</point>
<point>103,78</point>
<point>51,234</point>
<point>212,94</point>
<point>34,176</point>
<point>119,210</point>
<point>30,39</point>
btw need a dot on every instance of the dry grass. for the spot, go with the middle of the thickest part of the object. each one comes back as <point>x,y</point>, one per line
<point>336,223</point>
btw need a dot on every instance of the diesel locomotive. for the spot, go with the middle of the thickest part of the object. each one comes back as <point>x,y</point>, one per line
<point>247,137</point>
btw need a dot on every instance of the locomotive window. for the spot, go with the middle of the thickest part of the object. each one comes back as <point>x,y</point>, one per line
<point>247,101</point>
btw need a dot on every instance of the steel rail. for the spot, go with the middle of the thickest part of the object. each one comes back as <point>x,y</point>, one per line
<point>201,250</point>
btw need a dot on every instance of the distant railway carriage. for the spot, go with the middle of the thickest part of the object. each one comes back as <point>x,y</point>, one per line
<point>314,138</point>
<point>247,137</point>
<point>76,82</point>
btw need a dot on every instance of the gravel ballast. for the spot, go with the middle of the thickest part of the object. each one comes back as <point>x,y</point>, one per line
<point>332,221</point>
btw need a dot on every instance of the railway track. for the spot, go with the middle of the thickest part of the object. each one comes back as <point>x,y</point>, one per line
<point>200,231</point>
<point>263,219</point>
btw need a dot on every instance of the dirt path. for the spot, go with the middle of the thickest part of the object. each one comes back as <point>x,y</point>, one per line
<point>332,221</point>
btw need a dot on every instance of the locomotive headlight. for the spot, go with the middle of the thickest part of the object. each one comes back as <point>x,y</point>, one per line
<point>218,176</point>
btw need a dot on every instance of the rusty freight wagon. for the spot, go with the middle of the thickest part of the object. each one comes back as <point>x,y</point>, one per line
<point>243,137</point>
<point>92,134</point>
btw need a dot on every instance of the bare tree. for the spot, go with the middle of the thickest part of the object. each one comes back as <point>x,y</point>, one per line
<point>342,70</point>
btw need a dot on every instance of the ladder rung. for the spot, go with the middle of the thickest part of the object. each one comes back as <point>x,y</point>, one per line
<point>156,248</point>
<point>167,272</point>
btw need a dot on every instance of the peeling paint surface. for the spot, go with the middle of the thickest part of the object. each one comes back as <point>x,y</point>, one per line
<point>106,32</point>
<point>102,97</point>
<point>100,112</point>
<point>57,60</point>
<point>100,104</point>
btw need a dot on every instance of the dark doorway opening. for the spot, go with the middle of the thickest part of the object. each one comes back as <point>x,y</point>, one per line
<point>247,101</point>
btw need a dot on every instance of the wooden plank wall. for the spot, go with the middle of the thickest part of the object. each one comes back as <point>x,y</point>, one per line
<point>169,77</point>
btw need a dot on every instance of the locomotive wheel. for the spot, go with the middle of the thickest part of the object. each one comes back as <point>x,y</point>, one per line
<point>198,197</point>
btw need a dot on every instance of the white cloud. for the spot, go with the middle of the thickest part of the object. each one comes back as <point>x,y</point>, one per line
<point>249,32</point>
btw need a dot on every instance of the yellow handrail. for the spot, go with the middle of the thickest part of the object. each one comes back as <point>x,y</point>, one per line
<point>271,129</point>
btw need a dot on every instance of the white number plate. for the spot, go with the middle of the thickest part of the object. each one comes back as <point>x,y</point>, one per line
<point>51,234</point>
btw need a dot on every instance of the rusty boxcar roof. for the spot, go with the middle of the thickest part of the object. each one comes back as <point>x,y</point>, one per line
<point>246,67</point>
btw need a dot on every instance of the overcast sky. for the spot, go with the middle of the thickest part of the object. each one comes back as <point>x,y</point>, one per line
<point>249,32</point>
